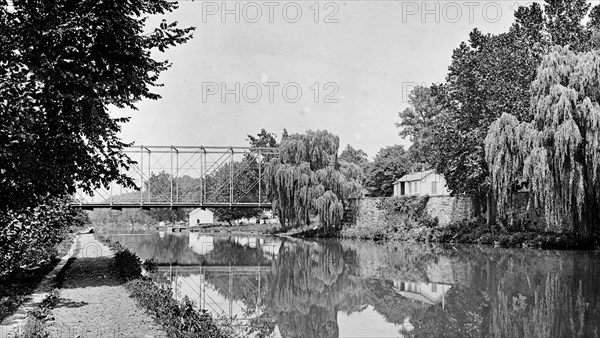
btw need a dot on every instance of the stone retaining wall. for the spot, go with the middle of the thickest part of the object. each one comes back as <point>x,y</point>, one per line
<point>449,209</point>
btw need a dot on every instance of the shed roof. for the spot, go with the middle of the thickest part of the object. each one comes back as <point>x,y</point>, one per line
<point>198,210</point>
<point>415,176</point>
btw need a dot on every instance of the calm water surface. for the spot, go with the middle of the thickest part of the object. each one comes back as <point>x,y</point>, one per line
<point>274,287</point>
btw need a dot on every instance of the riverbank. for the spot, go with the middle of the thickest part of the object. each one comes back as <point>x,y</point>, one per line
<point>471,233</point>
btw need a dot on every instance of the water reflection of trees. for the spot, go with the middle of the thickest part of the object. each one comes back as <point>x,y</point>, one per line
<point>308,286</point>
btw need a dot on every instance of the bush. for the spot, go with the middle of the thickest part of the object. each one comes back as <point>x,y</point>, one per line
<point>178,319</point>
<point>406,212</point>
<point>32,235</point>
<point>127,264</point>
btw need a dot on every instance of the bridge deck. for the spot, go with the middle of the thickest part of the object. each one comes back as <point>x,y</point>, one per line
<point>89,206</point>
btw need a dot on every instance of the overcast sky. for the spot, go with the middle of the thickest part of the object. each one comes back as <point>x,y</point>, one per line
<point>363,64</point>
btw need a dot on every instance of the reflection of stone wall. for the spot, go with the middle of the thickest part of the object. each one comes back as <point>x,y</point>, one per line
<point>450,209</point>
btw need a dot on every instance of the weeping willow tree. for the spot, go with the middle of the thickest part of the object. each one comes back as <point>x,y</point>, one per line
<point>558,153</point>
<point>308,179</point>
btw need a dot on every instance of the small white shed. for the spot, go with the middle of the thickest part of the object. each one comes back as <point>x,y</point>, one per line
<point>201,216</point>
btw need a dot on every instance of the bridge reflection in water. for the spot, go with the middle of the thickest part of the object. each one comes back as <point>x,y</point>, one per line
<point>276,287</point>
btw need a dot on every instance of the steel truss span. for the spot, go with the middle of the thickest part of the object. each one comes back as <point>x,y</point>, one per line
<point>187,176</point>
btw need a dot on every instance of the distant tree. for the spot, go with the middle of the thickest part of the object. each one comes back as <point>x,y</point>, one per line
<point>558,153</point>
<point>416,123</point>
<point>263,139</point>
<point>389,164</point>
<point>356,156</point>
<point>232,214</point>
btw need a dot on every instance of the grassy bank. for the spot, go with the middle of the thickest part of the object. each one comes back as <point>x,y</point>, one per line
<point>470,233</point>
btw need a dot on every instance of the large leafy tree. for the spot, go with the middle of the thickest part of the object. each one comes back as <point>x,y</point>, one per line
<point>491,75</point>
<point>389,164</point>
<point>558,153</point>
<point>64,63</point>
<point>307,179</point>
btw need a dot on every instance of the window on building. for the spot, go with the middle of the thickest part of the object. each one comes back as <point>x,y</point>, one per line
<point>409,187</point>
<point>434,188</point>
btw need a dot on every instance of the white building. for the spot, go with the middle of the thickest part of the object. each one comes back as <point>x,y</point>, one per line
<point>426,182</point>
<point>201,216</point>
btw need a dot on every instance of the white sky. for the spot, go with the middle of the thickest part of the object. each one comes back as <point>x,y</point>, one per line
<point>376,49</point>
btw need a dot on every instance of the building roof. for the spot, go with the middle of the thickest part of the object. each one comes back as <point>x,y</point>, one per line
<point>415,176</point>
<point>197,210</point>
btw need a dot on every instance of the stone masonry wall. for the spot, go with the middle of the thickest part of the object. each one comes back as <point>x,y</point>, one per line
<point>450,209</point>
<point>447,209</point>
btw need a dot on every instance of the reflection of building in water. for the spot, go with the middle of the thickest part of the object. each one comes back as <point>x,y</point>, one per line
<point>426,293</point>
<point>270,248</point>
<point>201,245</point>
<point>161,234</point>
<point>248,241</point>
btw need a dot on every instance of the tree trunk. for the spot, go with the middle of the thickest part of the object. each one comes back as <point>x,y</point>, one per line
<point>491,209</point>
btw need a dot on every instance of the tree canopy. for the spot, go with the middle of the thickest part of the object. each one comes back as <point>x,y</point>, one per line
<point>389,164</point>
<point>356,156</point>
<point>63,63</point>
<point>307,178</point>
<point>488,76</point>
<point>558,153</point>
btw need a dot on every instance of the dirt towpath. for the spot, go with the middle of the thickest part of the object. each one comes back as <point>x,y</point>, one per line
<point>94,303</point>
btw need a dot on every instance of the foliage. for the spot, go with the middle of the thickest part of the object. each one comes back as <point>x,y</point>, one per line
<point>389,165</point>
<point>16,287</point>
<point>307,178</point>
<point>263,139</point>
<point>32,235</point>
<point>232,214</point>
<point>411,207</point>
<point>491,75</point>
<point>126,264</point>
<point>178,319</point>
<point>356,156</point>
<point>416,123</point>
<point>557,153</point>
<point>64,62</point>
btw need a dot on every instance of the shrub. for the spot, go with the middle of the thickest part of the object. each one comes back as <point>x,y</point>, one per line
<point>406,212</point>
<point>32,235</point>
<point>178,319</point>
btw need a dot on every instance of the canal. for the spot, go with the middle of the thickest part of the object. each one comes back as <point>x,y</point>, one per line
<point>277,287</point>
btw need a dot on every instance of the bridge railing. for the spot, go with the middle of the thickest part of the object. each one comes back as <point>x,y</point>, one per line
<point>188,176</point>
